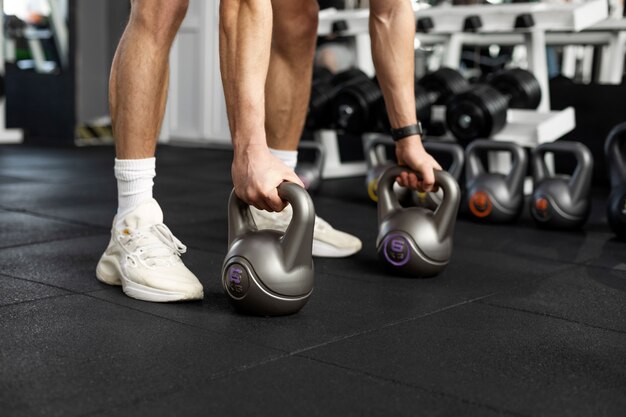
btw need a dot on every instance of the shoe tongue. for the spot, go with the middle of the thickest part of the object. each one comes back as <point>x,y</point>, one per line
<point>147,214</point>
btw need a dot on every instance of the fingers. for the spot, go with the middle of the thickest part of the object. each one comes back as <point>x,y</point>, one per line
<point>292,177</point>
<point>428,179</point>
<point>410,180</point>
<point>274,202</point>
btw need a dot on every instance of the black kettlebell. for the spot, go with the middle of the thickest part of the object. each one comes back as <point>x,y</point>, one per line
<point>615,151</point>
<point>267,272</point>
<point>433,199</point>
<point>561,201</point>
<point>310,172</point>
<point>416,241</point>
<point>494,197</point>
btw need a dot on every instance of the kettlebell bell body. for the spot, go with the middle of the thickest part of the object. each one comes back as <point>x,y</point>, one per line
<point>615,152</point>
<point>310,172</point>
<point>416,241</point>
<point>432,200</point>
<point>561,201</point>
<point>266,272</point>
<point>494,197</point>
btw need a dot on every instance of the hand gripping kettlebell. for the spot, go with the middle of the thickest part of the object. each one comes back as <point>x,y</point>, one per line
<point>416,241</point>
<point>494,197</point>
<point>310,172</point>
<point>615,151</point>
<point>561,201</point>
<point>457,155</point>
<point>267,272</point>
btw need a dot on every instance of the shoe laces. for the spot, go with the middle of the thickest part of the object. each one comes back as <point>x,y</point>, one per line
<point>157,245</point>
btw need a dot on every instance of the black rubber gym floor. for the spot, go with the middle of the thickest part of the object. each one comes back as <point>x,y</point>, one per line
<point>523,322</point>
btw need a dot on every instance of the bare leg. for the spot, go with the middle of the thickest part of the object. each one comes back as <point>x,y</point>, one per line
<point>140,75</point>
<point>288,84</point>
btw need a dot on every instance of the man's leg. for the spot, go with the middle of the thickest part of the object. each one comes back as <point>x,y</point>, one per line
<point>143,256</point>
<point>287,92</point>
<point>288,85</point>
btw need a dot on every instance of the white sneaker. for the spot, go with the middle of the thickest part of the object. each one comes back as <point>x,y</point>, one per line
<point>327,241</point>
<point>144,258</point>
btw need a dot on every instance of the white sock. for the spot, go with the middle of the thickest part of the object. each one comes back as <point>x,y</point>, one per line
<point>289,158</point>
<point>134,183</point>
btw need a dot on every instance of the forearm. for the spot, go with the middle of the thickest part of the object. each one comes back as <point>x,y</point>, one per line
<point>392,30</point>
<point>245,40</point>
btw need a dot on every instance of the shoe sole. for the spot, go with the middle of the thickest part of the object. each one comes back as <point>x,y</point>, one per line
<point>109,272</point>
<point>325,250</point>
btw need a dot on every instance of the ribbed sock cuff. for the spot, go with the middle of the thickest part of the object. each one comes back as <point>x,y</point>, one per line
<point>289,158</point>
<point>135,180</point>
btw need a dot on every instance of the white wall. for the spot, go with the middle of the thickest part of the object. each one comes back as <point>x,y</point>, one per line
<point>196,108</point>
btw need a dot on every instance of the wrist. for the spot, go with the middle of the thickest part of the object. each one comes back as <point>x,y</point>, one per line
<point>248,145</point>
<point>409,141</point>
<point>405,131</point>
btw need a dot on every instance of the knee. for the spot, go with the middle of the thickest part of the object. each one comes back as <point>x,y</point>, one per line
<point>297,26</point>
<point>161,18</point>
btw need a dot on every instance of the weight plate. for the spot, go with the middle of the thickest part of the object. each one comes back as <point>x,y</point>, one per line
<point>522,87</point>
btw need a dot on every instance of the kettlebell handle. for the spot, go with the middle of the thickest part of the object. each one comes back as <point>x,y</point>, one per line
<point>615,158</point>
<point>451,148</point>
<point>519,162</point>
<point>580,180</point>
<point>444,215</point>
<point>297,241</point>
<point>373,154</point>
<point>320,151</point>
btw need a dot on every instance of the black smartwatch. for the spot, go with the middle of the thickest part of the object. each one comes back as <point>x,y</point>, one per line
<point>405,131</point>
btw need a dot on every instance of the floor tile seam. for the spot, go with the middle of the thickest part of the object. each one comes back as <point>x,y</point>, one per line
<point>414,386</point>
<point>528,256</point>
<point>36,300</point>
<point>13,177</point>
<point>391,324</point>
<point>540,276</point>
<point>589,264</point>
<point>167,393</point>
<point>38,214</point>
<point>56,287</point>
<point>185,324</point>
<point>61,239</point>
<point>552,316</point>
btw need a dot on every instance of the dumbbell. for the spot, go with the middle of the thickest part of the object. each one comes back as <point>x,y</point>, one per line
<point>360,107</point>
<point>481,111</point>
<point>561,201</point>
<point>323,91</point>
<point>310,172</point>
<point>615,151</point>
<point>267,272</point>
<point>490,196</point>
<point>416,241</point>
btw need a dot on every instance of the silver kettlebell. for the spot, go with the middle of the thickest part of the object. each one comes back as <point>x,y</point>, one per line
<point>494,197</point>
<point>267,272</point>
<point>310,172</point>
<point>416,241</point>
<point>433,199</point>
<point>377,162</point>
<point>558,200</point>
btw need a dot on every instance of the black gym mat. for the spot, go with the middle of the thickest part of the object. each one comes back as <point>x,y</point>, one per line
<point>523,321</point>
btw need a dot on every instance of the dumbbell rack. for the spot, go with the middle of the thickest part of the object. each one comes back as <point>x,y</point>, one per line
<point>455,26</point>
<point>610,34</point>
